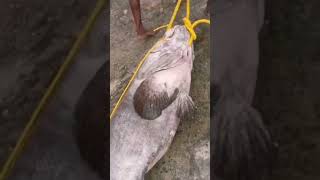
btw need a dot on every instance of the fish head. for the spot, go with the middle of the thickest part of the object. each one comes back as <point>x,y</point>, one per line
<point>178,38</point>
<point>178,35</point>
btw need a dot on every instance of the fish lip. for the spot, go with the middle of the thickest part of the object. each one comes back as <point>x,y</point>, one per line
<point>182,37</point>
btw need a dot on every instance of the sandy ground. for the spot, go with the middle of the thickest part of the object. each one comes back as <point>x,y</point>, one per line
<point>34,39</point>
<point>188,156</point>
<point>52,153</point>
<point>39,39</point>
<point>288,86</point>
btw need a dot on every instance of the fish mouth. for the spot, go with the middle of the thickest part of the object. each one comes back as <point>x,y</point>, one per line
<point>179,33</point>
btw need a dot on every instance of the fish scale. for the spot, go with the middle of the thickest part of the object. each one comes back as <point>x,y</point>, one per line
<point>136,144</point>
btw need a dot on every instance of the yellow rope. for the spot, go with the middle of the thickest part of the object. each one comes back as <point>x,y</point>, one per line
<point>188,9</point>
<point>9,164</point>
<point>161,27</point>
<point>189,26</point>
<point>174,15</point>
<point>132,79</point>
<point>196,23</point>
<point>187,22</point>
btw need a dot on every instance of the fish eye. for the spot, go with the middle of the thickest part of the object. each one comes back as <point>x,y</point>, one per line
<point>170,35</point>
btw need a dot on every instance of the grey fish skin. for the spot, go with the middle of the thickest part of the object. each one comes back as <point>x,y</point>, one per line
<point>136,143</point>
<point>241,146</point>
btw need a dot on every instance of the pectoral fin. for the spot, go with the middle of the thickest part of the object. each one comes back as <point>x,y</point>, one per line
<point>185,106</point>
<point>149,100</point>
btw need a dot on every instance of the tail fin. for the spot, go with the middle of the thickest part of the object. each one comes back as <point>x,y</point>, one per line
<point>241,145</point>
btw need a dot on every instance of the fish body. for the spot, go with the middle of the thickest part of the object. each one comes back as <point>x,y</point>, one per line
<point>146,122</point>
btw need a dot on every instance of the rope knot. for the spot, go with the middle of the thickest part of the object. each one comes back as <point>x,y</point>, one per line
<point>190,28</point>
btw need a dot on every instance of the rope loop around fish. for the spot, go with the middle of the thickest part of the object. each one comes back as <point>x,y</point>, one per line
<point>193,36</point>
<point>187,22</point>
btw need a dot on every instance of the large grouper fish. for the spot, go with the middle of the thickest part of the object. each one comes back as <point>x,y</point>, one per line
<point>146,122</point>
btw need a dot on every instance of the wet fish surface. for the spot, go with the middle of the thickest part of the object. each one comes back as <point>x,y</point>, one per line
<point>146,122</point>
